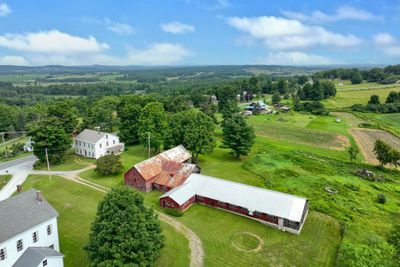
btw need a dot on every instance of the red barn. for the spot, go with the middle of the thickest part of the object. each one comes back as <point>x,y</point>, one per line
<point>283,211</point>
<point>163,172</point>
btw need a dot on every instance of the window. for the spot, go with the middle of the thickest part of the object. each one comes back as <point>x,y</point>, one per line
<point>256,213</point>
<point>20,245</point>
<point>233,206</point>
<point>84,144</point>
<point>106,136</point>
<point>3,254</point>
<point>35,237</point>
<point>76,142</point>
<point>51,246</point>
<point>100,145</point>
<point>200,198</point>
<point>221,203</point>
<point>49,229</point>
<point>107,143</point>
<point>45,263</point>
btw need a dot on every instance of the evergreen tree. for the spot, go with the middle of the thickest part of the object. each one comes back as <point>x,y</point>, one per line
<point>237,135</point>
<point>124,232</point>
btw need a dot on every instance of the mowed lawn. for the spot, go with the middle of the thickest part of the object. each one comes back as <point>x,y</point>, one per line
<point>71,162</point>
<point>349,95</point>
<point>77,206</point>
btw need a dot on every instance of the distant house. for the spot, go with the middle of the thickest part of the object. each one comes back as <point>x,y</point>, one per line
<point>29,232</point>
<point>258,105</point>
<point>95,144</point>
<point>28,147</point>
<point>283,211</point>
<point>163,172</point>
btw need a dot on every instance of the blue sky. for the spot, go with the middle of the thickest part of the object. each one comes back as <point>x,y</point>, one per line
<point>184,32</point>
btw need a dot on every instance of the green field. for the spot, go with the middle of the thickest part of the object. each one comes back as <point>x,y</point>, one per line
<point>351,94</point>
<point>71,162</point>
<point>77,205</point>
<point>318,131</point>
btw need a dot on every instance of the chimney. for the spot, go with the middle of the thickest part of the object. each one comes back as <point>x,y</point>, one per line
<point>19,188</point>
<point>39,196</point>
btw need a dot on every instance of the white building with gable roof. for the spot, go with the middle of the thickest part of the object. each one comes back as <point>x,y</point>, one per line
<point>29,232</point>
<point>96,144</point>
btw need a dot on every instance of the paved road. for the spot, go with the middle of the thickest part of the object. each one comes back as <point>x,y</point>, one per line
<point>19,169</point>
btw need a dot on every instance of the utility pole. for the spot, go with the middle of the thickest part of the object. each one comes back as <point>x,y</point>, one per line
<point>148,142</point>
<point>48,164</point>
<point>4,143</point>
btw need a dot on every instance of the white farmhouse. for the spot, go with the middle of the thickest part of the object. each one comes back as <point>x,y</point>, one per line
<point>95,144</point>
<point>29,232</point>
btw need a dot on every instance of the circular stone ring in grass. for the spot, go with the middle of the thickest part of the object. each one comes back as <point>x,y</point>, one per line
<point>331,190</point>
<point>247,242</point>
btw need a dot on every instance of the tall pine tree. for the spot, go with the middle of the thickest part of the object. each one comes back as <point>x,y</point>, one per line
<point>237,135</point>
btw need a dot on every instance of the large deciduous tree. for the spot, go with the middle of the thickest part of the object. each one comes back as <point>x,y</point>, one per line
<point>129,121</point>
<point>65,113</point>
<point>109,164</point>
<point>49,134</point>
<point>124,232</point>
<point>7,118</point>
<point>237,135</point>
<point>103,112</point>
<point>152,122</point>
<point>386,154</point>
<point>194,130</point>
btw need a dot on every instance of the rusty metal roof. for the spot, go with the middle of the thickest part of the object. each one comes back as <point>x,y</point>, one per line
<point>152,167</point>
<point>176,177</point>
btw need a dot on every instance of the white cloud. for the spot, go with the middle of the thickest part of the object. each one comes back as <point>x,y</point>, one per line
<point>4,10</point>
<point>288,34</point>
<point>294,58</point>
<point>387,43</point>
<point>177,27</point>
<point>222,4</point>
<point>342,13</point>
<point>13,60</point>
<point>157,54</point>
<point>52,42</point>
<point>118,27</point>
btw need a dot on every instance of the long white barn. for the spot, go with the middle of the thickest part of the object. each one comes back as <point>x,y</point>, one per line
<point>283,211</point>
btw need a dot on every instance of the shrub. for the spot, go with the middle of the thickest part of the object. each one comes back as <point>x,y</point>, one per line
<point>173,212</point>
<point>381,199</point>
<point>108,165</point>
